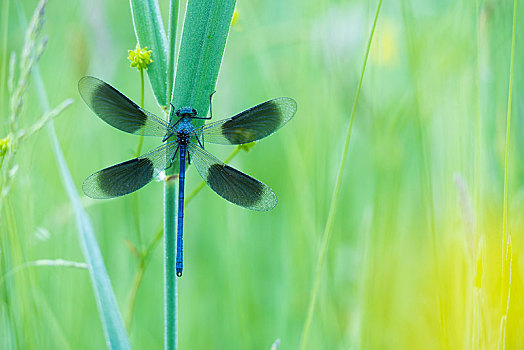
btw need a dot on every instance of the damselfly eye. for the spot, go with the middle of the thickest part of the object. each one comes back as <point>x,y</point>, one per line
<point>186,112</point>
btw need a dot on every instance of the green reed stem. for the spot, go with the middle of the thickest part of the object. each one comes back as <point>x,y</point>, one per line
<point>332,208</point>
<point>170,282</point>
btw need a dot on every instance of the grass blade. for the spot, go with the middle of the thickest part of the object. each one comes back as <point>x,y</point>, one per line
<point>114,330</point>
<point>150,32</point>
<point>112,324</point>
<point>336,190</point>
<point>206,28</point>
<point>173,21</point>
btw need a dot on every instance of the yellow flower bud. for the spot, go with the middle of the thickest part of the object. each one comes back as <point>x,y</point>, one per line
<point>140,58</point>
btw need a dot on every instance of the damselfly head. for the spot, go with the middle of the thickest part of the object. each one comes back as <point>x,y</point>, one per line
<point>186,112</point>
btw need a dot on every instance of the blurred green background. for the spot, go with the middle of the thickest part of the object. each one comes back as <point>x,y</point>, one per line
<point>416,257</point>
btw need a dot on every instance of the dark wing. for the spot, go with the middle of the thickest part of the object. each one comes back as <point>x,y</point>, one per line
<point>231,184</point>
<point>129,176</point>
<point>252,124</point>
<point>117,110</point>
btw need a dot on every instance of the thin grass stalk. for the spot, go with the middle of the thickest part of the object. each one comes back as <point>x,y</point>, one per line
<point>508,129</point>
<point>144,259</point>
<point>136,205</point>
<point>3,51</point>
<point>136,209</point>
<point>426,189</point>
<point>427,192</point>
<point>170,281</point>
<point>506,256</point>
<point>474,322</point>
<point>141,139</point>
<point>477,119</point>
<point>336,190</point>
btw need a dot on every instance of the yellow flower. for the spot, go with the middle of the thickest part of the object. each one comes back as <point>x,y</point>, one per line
<point>140,58</point>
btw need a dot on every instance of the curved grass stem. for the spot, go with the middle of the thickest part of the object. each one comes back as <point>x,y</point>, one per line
<point>136,205</point>
<point>336,190</point>
<point>144,259</point>
<point>141,139</point>
<point>508,129</point>
<point>506,237</point>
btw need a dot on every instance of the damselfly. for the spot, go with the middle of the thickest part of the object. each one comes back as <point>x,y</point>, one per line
<point>250,125</point>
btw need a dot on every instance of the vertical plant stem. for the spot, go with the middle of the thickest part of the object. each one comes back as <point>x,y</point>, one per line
<point>506,239</point>
<point>136,209</point>
<point>141,139</point>
<point>170,282</point>
<point>477,120</point>
<point>3,51</point>
<point>476,321</point>
<point>136,205</point>
<point>508,128</point>
<point>332,208</point>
